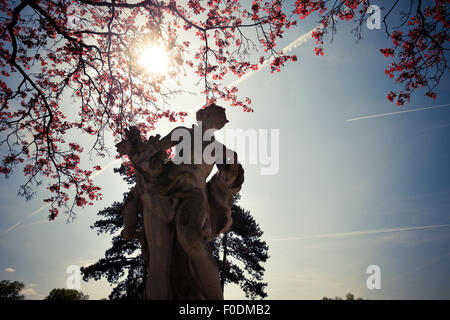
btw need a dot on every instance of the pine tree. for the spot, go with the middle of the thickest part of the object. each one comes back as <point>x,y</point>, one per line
<point>10,290</point>
<point>242,253</point>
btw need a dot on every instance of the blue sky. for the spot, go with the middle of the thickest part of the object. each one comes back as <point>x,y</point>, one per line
<point>336,177</point>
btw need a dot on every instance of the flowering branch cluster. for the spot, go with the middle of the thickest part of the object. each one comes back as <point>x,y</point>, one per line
<point>90,49</point>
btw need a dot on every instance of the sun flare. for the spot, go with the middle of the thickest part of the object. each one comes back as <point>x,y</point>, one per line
<point>154,60</point>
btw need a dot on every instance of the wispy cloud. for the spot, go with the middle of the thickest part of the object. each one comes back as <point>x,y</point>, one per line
<point>434,128</point>
<point>9,269</point>
<point>116,161</point>
<point>360,233</point>
<point>425,265</point>
<point>84,262</point>
<point>28,292</point>
<point>398,112</point>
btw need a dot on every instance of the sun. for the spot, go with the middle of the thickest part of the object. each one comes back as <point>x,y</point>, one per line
<point>154,60</point>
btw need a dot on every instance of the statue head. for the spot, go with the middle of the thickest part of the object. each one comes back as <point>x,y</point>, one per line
<point>212,117</point>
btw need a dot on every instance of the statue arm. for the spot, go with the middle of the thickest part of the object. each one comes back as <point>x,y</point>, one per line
<point>130,215</point>
<point>135,148</point>
<point>169,140</point>
<point>152,153</point>
<point>232,169</point>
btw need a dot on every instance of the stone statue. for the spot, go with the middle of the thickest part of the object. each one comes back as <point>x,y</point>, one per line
<point>181,212</point>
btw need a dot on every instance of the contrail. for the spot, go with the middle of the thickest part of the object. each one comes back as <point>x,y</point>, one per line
<point>33,223</point>
<point>12,227</point>
<point>398,112</point>
<point>48,204</point>
<point>92,176</point>
<point>363,232</point>
<point>294,44</point>
<point>39,210</point>
<point>104,168</point>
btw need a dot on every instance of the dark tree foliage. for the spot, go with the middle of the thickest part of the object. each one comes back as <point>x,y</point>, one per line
<point>242,254</point>
<point>123,257</point>
<point>120,260</point>
<point>348,296</point>
<point>10,290</point>
<point>66,294</point>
